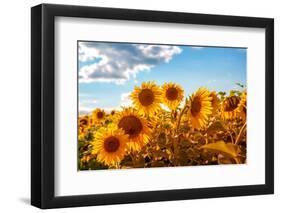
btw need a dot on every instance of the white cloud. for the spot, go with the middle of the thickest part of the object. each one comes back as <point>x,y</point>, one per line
<point>87,105</point>
<point>211,81</point>
<point>197,48</point>
<point>115,62</point>
<point>88,110</point>
<point>84,110</point>
<point>125,100</point>
<point>89,101</point>
<point>109,109</point>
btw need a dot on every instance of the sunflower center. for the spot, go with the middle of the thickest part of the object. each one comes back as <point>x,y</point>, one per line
<point>131,125</point>
<point>231,103</point>
<point>172,94</point>
<point>84,122</point>
<point>146,97</point>
<point>99,115</point>
<point>111,144</point>
<point>195,106</point>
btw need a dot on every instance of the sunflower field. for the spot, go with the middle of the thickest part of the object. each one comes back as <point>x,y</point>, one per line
<point>166,128</point>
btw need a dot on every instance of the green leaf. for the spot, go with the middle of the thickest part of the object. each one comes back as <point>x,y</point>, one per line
<point>240,85</point>
<point>232,92</point>
<point>222,93</point>
<point>228,149</point>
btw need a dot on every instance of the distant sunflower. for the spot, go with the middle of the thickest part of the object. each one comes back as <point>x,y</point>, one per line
<point>230,107</point>
<point>200,108</point>
<point>135,126</point>
<point>147,98</point>
<point>98,116</point>
<point>84,121</point>
<point>215,101</point>
<point>172,95</point>
<point>110,145</point>
<point>112,112</point>
<point>242,107</point>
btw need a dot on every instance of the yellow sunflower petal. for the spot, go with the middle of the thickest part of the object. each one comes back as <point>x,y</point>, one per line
<point>110,145</point>
<point>147,98</point>
<point>98,116</point>
<point>172,95</point>
<point>200,108</point>
<point>230,107</point>
<point>215,101</point>
<point>135,126</point>
<point>242,107</point>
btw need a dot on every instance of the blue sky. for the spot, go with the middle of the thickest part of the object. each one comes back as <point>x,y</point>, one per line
<point>108,72</point>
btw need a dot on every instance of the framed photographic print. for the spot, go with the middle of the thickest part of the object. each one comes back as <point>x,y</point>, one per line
<point>140,106</point>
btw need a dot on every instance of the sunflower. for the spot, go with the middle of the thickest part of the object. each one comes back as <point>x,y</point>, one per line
<point>135,126</point>
<point>84,121</point>
<point>200,108</point>
<point>110,145</point>
<point>112,112</point>
<point>172,95</point>
<point>230,107</point>
<point>98,116</point>
<point>242,107</point>
<point>215,101</point>
<point>147,98</point>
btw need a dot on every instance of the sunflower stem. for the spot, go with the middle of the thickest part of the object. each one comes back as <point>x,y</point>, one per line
<point>118,166</point>
<point>230,135</point>
<point>240,133</point>
<point>133,155</point>
<point>176,136</point>
<point>180,116</point>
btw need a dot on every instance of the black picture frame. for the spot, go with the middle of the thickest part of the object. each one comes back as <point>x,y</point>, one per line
<point>43,102</point>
